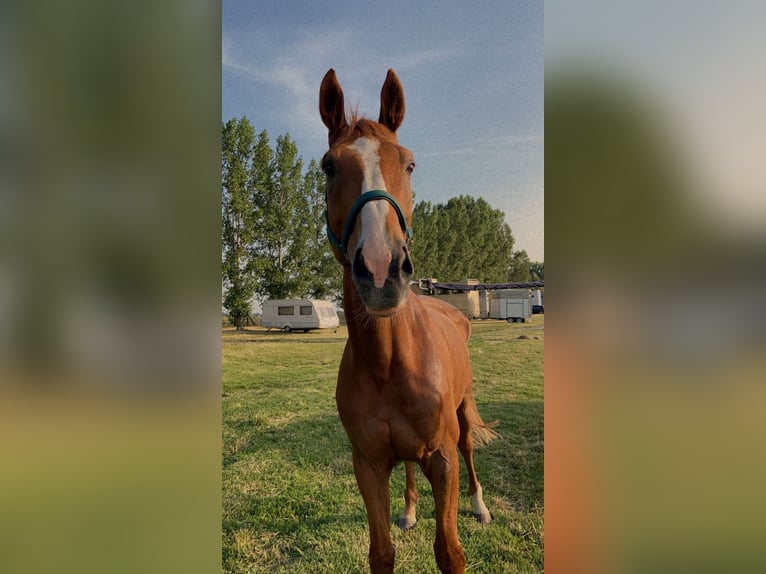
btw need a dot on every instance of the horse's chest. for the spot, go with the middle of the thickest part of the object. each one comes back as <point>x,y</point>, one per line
<point>416,432</point>
<point>403,416</point>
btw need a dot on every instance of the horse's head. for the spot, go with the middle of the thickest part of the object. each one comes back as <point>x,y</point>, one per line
<point>369,199</point>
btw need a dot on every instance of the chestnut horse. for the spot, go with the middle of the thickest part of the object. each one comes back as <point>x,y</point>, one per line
<point>404,389</point>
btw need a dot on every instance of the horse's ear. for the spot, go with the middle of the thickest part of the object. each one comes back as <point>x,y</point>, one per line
<point>391,102</point>
<point>331,105</point>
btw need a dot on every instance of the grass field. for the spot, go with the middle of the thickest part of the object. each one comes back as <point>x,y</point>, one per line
<point>290,501</point>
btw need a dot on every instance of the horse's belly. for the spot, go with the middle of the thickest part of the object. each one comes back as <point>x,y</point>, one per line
<point>412,451</point>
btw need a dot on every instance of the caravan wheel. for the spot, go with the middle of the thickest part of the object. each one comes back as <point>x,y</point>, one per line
<point>287,329</point>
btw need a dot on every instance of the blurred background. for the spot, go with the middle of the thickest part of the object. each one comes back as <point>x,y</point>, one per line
<point>656,234</point>
<point>109,286</point>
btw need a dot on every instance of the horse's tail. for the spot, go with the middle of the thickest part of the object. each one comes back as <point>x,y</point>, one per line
<point>481,432</point>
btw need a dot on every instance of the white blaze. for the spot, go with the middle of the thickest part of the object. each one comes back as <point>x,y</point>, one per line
<point>367,150</point>
<point>375,250</point>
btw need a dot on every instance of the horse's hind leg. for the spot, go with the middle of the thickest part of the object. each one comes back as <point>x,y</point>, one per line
<point>465,443</point>
<point>408,518</point>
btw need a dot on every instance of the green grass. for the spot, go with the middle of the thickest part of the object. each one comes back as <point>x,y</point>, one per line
<point>290,501</point>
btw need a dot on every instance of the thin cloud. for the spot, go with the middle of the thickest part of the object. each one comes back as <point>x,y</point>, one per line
<point>417,59</point>
<point>481,146</point>
<point>297,71</point>
<point>233,64</point>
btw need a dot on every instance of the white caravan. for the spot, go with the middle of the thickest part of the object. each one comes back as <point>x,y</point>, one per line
<point>299,315</point>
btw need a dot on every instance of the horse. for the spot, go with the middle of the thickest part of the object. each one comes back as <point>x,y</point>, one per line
<point>404,388</point>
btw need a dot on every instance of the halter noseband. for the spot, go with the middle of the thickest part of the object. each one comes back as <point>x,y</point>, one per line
<point>348,227</point>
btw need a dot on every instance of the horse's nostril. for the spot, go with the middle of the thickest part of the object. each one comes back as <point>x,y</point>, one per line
<point>407,268</point>
<point>358,267</point>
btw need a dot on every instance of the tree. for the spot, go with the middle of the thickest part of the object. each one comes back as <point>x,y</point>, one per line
<point>520,267</point>
<point>464,238</point>
<point>425,243</point>
<point>237,229</point>
<point>322,271</point>
<point>283,210</point>
<point>274,243</point>
<point>537,268</point>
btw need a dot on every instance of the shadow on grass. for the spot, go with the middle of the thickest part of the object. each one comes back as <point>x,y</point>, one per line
<point>298,477</point>
<point>282,337</point>
<point>263,335</point>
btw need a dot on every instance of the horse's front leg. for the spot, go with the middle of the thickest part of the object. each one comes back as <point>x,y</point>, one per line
<point>441,469</point>
<point>408,519</point>
<point>372,479</point>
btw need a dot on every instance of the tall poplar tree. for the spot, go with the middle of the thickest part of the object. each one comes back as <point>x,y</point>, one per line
<point>324,274</point>
<point>261,175</point>
<point>237,214</point>
<point>282,231</point>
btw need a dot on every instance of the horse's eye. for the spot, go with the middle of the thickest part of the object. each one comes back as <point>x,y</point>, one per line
<point>411,167</point>
<point>328,167</point>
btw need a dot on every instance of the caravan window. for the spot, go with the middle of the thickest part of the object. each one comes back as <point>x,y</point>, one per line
<point>286,310</point>
<point>306,309</point>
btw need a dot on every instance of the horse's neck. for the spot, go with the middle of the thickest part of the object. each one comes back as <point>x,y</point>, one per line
<point>380,341</point>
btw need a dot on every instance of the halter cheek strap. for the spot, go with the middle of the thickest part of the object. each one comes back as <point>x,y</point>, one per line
<point>348,227</point>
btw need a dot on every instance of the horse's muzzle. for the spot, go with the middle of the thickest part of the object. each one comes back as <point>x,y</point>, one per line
<point>383,298</point>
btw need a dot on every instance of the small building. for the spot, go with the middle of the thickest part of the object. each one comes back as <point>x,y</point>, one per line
<point>467,302</point>
<point>510,301</point>
<point>299,315</point>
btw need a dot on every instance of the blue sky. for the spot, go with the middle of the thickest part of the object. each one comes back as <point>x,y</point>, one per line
<point>472,77</point>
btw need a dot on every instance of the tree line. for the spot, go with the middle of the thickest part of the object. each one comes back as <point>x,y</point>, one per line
<point>273,238</point>
<point>274,244</point>
<point>467,238</point>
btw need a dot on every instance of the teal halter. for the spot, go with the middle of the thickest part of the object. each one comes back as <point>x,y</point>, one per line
<point>348,228</point>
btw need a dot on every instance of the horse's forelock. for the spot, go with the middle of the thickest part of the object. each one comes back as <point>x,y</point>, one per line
<point>360,126</point>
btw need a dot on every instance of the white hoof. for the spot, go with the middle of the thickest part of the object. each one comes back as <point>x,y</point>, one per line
<point>406,523</point>
<point>480,511</point>
<point>484,518</point>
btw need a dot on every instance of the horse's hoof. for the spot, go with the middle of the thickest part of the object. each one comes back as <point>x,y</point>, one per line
<point>483,518</point>
<point>405,523</point>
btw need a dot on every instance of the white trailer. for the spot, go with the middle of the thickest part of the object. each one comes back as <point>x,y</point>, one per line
<point>299,315</point>
<point>511,304</point>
